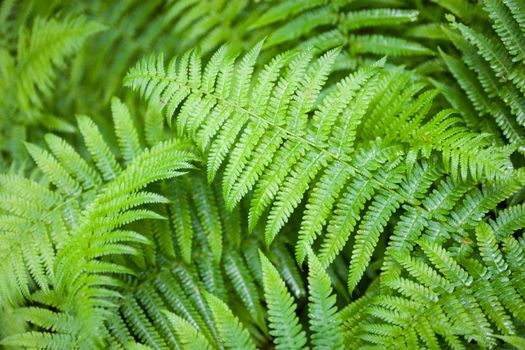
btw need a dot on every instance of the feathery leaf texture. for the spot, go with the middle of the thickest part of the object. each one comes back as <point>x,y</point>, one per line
<point>280,142</point>
<point>317,174</point>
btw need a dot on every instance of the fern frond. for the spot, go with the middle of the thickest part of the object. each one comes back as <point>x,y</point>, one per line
<point>303,147</point>
<point>384,204</point>
<point>100,152</point>
<point>56,173</point>
<point>73,163</point>
<point>408,212</point>
<point>243,284</point>
<point>191,338</point>
<point>45,48</point>
<point>459,290</point>
<point>125,131</point>
<point>507,29</point>
<point>87,228</point>
<point>233,334</point>
<point>495,55</point>
<point>284,325</point>
<point>324,320</point>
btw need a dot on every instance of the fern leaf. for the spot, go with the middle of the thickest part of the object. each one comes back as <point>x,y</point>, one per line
<point>377,17</point>
<point>319,205</point>
<point>348,207</point>
<point>384,204</point>
<point>233,334</point>
<point>507,29</point>
<point>284,325</point>
<point>177,301</point>
<point>190,337</point>
<point>324,320</point>
<point>45,48</point>
<point>386,45</point>
<point>100,151</point>
<point>143,327</point>
<point>54,170</point>
<point>208,211</point>
<point>73,162</point>
<point>181,218</point>
<point>288,270</point>
<point>268,186</point>
<point>126,133</point>
<point>290,195</point>
<point>283,10</point>
<point>243,284</point>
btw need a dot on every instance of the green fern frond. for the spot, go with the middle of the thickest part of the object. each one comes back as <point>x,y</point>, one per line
<point>233,335</point>
<point>495,55</point>
<point>284,325</point>
<point>398,180</point>
<point>86,229</point>
<point>244,285</point>
<point>326,143</point>
<point>45,48</point>
<point>191,338</point>
<point>324,320</point>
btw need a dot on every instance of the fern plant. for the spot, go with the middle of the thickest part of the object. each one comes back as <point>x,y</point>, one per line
<point>276,184</point>
<point>29,61</point>
<point>280,149</point>
<point>490,70</point>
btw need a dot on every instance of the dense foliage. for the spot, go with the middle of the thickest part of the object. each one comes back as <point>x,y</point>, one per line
<point>241,174</point>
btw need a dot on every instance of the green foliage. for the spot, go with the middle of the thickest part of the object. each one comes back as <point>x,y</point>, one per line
<point>491,68</point>
<point>28,72</point>
<point>297,174</point>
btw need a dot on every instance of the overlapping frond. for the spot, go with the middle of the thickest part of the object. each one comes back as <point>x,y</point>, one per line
<point>325,25</point>
<point>284,324</point>
<point>43,49</point>
<point>437,290</point>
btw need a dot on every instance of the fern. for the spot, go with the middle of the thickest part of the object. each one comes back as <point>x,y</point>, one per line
<point>29,72</point>
<point>284,324</point>
<point>325,323</point>
<point>451,292</point>
<point>277,183</point>
<point>230,330</point>
<point>300,154</point>
<point>491,80</point>
<point>79,228</point>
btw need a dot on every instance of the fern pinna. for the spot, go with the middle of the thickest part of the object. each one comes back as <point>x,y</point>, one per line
<point>276,184</point>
